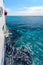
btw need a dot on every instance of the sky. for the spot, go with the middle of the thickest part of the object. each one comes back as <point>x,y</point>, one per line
<point>24,7</point>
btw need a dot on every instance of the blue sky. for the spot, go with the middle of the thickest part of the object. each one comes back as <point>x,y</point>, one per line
<point>18,7</point>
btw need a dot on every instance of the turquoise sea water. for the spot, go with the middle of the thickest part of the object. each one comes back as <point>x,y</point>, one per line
<point>27,32</point>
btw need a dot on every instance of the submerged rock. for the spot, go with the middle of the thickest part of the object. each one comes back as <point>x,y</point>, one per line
<point>17,56</point>
<point>22,57</point>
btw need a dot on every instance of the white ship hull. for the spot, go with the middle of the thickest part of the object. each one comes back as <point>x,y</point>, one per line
<point>2,22</point>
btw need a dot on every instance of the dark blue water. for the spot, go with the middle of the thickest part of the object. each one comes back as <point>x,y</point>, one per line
<point>27,32</point>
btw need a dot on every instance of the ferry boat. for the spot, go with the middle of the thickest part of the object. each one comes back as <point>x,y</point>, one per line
<point>2,29</point>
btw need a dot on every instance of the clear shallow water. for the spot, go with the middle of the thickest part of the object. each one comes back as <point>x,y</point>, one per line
<point>26,32</point>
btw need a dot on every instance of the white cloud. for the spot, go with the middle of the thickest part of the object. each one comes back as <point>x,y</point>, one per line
<point>27,11</point>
